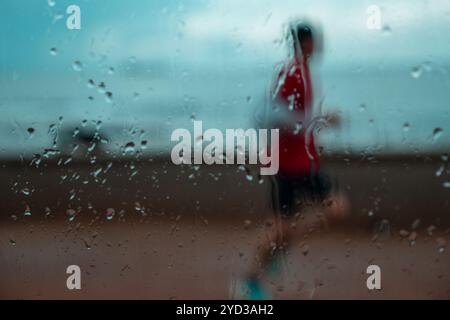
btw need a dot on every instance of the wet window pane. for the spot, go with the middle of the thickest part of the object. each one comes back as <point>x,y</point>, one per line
<point>224,149</point>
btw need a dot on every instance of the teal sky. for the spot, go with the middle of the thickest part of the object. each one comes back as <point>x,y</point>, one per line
<point>155,30</point>
<point>215,59</point>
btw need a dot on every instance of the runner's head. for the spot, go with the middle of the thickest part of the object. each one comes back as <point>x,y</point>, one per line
<point>303,40</point>
<point>306,38</point>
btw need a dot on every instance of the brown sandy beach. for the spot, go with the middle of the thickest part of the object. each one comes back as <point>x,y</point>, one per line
<point>146,229</point>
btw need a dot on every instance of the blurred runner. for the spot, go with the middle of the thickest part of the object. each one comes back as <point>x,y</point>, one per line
<point>300,185</point>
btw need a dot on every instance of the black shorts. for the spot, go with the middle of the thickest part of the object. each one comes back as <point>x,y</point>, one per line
<point>291,194</point>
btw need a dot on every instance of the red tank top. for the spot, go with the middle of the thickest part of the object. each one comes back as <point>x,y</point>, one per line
<point>297,154</point>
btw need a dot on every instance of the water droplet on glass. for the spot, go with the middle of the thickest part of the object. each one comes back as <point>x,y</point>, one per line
<point>199,139</point>
<point>298,128</point>
<point>12,242</point>
<point>76,131</point>
<point>27,211</point>
<point>87,244</point>
<point>129,147</point>
<point>26,191</point>
<point>101,88</point>
<point>53,51</point>
<point>98,125</point>
<point>30,132</point>
<point>72,214</point>
<point>260,179</point>
<point>110,213</point>
<point>77,66</point>
<point>406,127</point>
<point>412,238</point>
<point>109,97</point>
<point>305,249</point>
<point>437,133</point>
<point>416,72</point>
<point>441,244</point>
<point>48,153</point>
<point>386,30</point>
<point>48,212</point>
<point>90,83</point>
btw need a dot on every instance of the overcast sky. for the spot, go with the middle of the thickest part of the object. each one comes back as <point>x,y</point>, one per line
<point>199,30</point>
<point>206,57</point>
